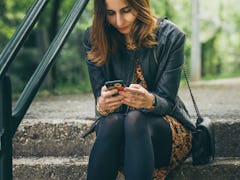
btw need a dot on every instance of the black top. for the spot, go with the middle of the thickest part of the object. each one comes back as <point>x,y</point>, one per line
<point>161,67</point>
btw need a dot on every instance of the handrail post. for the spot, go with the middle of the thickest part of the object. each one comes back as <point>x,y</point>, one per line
<point>5,129</point>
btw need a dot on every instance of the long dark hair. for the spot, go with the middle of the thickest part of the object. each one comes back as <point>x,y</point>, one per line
<point>103,35</point>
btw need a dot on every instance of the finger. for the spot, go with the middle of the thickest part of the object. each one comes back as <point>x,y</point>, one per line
<point>132,104</point>
<point>135,100</point>
<point>110,93</point>
<point>129,101</point>
<point>104,88</point>
<point>132,95</point>
<point>114,105</point>
<point>112,99</point>
<point>137,86</point>
<point>135,91</point>
<point>125,94</point>
<point>104,92</point>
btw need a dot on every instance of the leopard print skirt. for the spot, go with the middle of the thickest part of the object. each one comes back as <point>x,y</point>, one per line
<point>181,147</point>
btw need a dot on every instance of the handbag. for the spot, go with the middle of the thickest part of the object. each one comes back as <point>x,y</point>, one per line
<point>203,138</point>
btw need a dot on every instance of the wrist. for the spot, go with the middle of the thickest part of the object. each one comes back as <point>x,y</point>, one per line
<point>152,102</point>
<point>101,110</point>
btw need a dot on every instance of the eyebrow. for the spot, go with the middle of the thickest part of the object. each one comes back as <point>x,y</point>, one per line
<point>128,6</point>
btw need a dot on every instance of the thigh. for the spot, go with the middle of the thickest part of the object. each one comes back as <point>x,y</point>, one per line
<point>161,139</point>
<point>110,125</point>
<point>135,124</point>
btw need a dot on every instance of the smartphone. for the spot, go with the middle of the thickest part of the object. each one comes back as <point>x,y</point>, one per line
<point>116,84</point>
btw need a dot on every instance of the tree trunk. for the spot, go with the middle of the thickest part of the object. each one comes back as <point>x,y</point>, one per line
<point>52,30</point>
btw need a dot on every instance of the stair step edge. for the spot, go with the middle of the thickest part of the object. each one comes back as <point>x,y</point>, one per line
<point>31,161</point>
<point>84,160</point>
<point>90,120</point>
<point>57,121</point>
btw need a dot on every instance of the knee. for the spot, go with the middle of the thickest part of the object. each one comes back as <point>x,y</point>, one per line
<point>135,124</point>
<point>111,126</point>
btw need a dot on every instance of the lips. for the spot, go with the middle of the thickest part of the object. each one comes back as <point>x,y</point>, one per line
<point>122,29</point>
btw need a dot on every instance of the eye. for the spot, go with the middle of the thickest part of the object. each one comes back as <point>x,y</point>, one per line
<point>110,12</point>
<point>126,9</point>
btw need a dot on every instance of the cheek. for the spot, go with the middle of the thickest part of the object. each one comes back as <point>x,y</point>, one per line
<point>131,18</point>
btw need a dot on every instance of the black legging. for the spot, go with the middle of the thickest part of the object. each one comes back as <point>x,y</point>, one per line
<point>136,141</point>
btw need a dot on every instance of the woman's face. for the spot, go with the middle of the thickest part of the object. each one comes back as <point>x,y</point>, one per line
<point>120,15</point>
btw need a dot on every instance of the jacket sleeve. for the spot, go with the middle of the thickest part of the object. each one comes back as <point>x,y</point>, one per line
<point>96,75</point>
<point>167,85</point>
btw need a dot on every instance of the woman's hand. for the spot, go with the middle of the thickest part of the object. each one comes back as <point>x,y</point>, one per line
<point>109,99</point>
<point>137,96</point>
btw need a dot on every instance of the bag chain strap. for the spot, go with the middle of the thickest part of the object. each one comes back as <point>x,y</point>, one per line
<point>199,119</point>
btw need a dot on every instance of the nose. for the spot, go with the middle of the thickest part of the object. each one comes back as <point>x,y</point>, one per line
<point>119,20</point>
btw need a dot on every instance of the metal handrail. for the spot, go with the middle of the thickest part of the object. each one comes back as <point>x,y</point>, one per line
<point>10,51</point>
<point>47,62</point>
<point>10,120</point>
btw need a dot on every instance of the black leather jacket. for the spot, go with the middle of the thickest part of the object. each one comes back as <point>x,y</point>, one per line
<point>161,68</point>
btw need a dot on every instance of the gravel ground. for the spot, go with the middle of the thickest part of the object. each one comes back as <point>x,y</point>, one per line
<point>218,99</point>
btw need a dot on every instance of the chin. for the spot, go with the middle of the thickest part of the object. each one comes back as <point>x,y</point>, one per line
<point>125,32</point>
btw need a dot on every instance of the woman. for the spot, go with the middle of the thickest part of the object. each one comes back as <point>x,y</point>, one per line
<point>144,128</point>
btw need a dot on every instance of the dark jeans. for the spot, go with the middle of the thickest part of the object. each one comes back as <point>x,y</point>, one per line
<point>136,141</point>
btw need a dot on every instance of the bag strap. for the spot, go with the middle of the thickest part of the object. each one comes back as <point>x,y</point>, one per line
<point>199,119</point>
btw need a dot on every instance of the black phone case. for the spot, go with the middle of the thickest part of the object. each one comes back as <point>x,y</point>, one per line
<point>114,84</point>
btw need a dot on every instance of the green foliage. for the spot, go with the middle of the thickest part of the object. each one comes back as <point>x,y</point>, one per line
<point>220,23</point>
<point>11,14</point>
<point>22,69</point>
<point>70,69</point>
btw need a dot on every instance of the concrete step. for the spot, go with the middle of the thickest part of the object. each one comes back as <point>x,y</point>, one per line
<point>49,168</point>
<point>52,137</point>
<point>59,168</point>
<point>220,169</point>
<point>57,137</point>
<point>48,143</point>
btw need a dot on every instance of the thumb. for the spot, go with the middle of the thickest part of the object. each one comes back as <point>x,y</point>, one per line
<point>137,86</point>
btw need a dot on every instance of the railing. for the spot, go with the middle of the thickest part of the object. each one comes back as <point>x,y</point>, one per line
<point>10,119</point>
